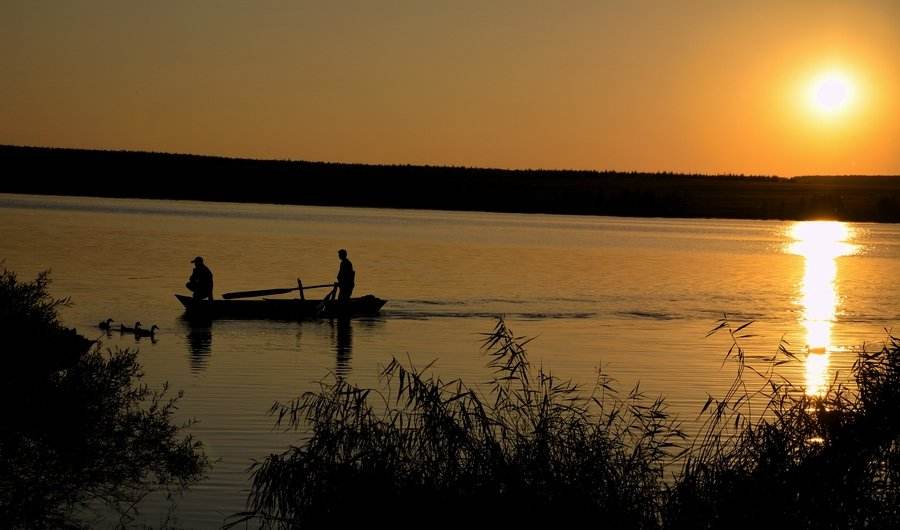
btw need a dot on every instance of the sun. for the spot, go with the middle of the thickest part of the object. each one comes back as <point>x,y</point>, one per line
<point>831,92</point>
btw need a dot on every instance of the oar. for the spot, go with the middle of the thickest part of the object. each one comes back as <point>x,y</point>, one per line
<point>330,296</point>
<point>266,292</point>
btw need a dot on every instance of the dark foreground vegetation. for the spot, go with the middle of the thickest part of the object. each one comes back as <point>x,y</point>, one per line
<point>81,438</point>
<point>170,176</point>
<point>532,451</point>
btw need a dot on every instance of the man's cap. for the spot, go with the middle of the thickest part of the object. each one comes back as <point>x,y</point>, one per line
<point>198,259</point>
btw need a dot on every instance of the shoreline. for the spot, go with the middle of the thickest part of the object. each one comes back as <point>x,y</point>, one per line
<point>145,175</point>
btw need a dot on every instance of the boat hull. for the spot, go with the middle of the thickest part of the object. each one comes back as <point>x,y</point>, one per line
<point>278,309</point>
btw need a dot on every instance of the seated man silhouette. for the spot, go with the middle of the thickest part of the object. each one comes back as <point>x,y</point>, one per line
<point>201,281</point>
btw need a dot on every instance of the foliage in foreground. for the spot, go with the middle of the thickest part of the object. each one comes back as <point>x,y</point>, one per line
<point>532,450</point>
<point>825,462</point>
<point>80,431</point>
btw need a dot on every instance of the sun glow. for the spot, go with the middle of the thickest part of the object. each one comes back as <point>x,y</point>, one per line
<point>820,243</point>
<point>832,93</point>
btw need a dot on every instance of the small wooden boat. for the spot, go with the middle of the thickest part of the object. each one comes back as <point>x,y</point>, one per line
<point>280,309</point>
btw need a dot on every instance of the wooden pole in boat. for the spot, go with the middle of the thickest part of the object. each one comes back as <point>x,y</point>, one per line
<point>300,287</point>
<point>266,292</point>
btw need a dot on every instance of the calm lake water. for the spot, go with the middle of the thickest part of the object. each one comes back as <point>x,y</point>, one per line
<point>636,296</point>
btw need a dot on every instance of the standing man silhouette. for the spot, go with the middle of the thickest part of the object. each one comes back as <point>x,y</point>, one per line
<point>346,277</point>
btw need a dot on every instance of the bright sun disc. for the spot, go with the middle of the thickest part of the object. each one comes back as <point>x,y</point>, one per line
<point>832,92</point>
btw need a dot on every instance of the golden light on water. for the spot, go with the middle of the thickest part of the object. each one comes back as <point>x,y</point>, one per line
<point>817,373</point>
<point>820,243</point>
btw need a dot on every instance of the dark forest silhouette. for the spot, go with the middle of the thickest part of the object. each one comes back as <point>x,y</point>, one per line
<point>192,177</point>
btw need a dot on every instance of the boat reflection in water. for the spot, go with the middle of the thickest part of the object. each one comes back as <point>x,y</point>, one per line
<point>198,338</point>
<point>342,338</point>
<point>341,335</point>
<point>820,243</point>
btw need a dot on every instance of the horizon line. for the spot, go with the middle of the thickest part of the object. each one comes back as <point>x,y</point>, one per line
<point>447,166</point>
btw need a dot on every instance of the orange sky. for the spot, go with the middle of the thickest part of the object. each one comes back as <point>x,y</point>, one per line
<point>695,86</point>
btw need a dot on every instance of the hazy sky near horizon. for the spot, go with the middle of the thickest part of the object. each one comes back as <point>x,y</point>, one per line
<point>696,86</point>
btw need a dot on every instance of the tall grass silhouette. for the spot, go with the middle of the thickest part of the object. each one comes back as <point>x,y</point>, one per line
<point>530,449</point>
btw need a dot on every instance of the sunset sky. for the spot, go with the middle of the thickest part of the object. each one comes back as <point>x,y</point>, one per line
<point>763,87</point>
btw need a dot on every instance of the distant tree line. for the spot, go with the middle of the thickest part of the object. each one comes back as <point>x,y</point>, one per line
<point>192,177</point>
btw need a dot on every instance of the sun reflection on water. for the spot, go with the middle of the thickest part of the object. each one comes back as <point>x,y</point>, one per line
<point>820,243</point>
